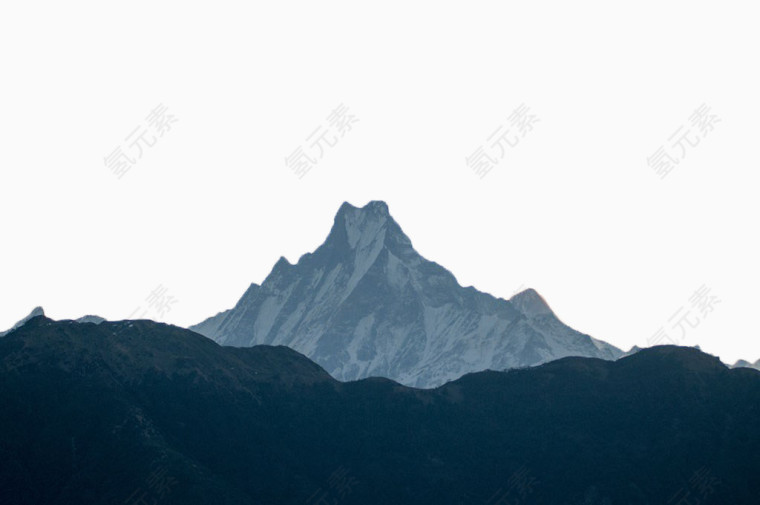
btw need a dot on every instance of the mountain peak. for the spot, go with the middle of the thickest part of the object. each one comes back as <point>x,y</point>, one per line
<point>282,262</point>
<point>365,228</point>
<point>37,311</point>
<point>365,303</point>
<point>530,303</point>
<point>746,364</point>
<point>91,319</point>
<point>374,206</point>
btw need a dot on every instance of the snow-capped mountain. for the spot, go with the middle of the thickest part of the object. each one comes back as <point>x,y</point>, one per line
<point>365,303</point>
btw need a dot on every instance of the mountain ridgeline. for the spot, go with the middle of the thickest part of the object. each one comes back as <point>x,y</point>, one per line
<point>365,303</point>
<point>140,412</point>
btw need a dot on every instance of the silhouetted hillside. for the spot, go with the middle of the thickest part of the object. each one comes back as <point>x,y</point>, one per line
<point>117,412</point>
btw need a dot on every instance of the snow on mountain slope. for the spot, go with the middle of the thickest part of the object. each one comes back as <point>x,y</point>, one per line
<point>365,303</point>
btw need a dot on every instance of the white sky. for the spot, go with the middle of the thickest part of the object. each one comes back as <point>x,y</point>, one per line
<point>573,210</point>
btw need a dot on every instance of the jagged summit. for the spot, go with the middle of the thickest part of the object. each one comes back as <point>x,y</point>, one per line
<point>357,219</point>
<point>365,303</point>
<point>282,262</point>
<point>37,311</point>
<point>531,303</point>
<point>364,229</point>
<point>377,207</point>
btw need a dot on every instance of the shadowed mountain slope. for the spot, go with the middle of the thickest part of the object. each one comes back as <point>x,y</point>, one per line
<point>99,414</point>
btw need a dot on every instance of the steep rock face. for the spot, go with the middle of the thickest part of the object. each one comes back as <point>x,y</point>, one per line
<point>365,303</point>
